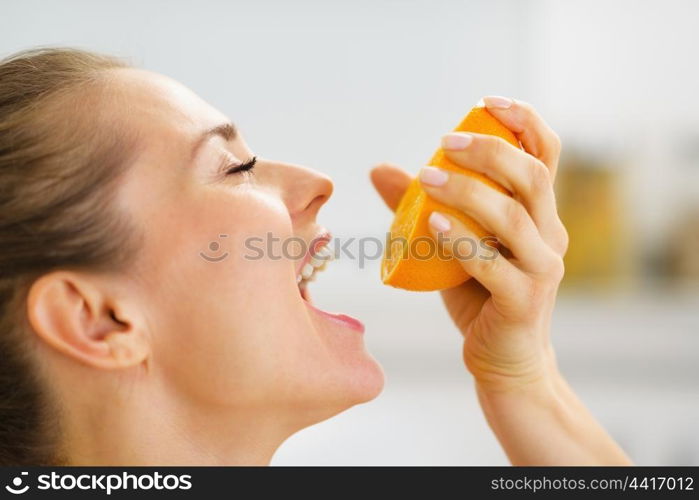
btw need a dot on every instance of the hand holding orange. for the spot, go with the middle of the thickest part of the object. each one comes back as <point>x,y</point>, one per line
<point>504,312</point>
<point>410,260</point>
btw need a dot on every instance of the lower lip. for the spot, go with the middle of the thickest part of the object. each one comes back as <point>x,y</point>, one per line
<point>341,319</point>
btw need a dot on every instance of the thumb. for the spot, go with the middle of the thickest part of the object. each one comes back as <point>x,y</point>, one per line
<point>391,182</point>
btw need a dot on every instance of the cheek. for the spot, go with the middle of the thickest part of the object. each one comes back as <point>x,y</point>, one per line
<point>216,334</point>
<point>228,325</point>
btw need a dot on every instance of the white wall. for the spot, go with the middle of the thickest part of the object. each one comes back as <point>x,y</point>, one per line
<point>620,77</point>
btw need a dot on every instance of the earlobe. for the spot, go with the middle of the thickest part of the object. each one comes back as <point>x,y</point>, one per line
<point>75,314</point>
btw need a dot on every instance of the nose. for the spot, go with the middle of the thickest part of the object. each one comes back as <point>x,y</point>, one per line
<point>303,190</point>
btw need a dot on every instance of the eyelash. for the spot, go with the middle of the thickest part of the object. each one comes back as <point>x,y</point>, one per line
<point>242,167</point>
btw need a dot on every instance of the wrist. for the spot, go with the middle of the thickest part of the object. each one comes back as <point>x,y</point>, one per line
<point>524,415</point>
<point>541,393</point>
<point>537,375</point>
<point>528,415</point>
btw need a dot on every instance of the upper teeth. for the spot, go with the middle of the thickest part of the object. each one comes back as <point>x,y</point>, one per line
<point>317,262</point>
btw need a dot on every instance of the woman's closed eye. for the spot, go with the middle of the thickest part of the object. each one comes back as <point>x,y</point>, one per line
<point>236,168</point>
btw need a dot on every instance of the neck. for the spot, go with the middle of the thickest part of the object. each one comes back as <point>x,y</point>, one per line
<point>157,430</point>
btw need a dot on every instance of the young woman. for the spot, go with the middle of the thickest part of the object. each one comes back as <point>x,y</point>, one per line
<point>122,345</point>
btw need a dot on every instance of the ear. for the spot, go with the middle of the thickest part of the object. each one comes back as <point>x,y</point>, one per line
<point>76,315</point>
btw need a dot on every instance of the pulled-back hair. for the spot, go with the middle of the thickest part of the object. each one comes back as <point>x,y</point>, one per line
<point>61,152</point>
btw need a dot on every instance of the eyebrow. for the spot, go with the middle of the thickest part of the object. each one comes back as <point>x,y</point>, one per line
<point>225,130</point>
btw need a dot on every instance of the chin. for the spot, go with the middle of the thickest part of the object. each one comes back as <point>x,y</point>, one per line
<point>369,383</point>
<point>353,376</point>
<point>363,383</point>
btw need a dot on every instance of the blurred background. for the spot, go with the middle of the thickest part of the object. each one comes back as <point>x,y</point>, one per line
<point>341,86</point>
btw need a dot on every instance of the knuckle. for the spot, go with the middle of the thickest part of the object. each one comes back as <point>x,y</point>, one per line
<point>564,240</point>
<point>463,190</point>
<point>517,216</point>
<point>463,248</point>
<point>535,297</point>
<point>494,147</point>
<point>556,143</point>
<point>539,176</point>
<point>556,268</point>
<point>487,266</point>
<point>529,301</point>
<point>499,147</point>
<point>551,268</point>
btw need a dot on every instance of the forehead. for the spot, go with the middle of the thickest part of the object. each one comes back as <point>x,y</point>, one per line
<point>160,108</point>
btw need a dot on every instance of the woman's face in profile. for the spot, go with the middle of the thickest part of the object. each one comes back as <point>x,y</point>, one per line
<point>228,326</point>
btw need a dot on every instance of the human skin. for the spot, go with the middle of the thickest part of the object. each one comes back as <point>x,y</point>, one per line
<point>177,359</point>
<point>504,313</point>
<point>180,360</point>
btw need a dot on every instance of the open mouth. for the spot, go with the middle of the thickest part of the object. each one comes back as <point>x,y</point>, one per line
<point>316,261</point>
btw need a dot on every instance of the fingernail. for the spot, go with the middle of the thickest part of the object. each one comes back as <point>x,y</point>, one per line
<point>496,101</point>
<point>456,141</point>
<point>433,176</point>
<point>439,222</point>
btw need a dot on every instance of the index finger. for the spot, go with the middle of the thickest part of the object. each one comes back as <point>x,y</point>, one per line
<point>533,132</point>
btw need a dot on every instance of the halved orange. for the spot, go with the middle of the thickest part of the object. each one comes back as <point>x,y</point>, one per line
<point>411,259</point>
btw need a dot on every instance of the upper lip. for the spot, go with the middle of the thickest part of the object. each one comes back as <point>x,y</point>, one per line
<point>321,239</point>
